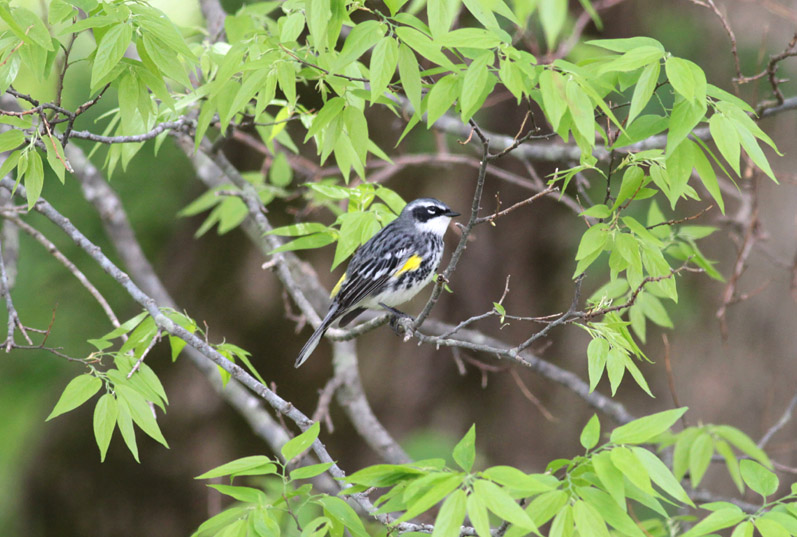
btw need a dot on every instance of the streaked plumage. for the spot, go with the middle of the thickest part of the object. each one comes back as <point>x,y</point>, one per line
<point>391,268</point>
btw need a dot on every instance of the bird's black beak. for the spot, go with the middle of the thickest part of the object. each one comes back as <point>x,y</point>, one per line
<point>451,213</point>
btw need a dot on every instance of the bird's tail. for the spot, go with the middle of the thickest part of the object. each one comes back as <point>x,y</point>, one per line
<point>312,343</point>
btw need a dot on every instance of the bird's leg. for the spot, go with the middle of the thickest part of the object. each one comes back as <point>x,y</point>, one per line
<point>400,322</point>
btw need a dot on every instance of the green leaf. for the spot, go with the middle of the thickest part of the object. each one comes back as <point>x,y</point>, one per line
<point>653,309</point>
<point>644,90</point>
<point>707,174</point>
<point>615,367</point>
<point>743,443</point>
<point>474,84</point>
<point>441,97</point>
<point>627,462</point>
<point>301,443</point>
<point>770,528</point>
<point>410,76</point>
<point>518,481</point>
<point>254,465</point>
<point>626,44</point>
<point>501,503</point>
<point>731,463</point>
<point>687,79</point>
<point>312,470</point>
<point>700,457</point>
<point>597,211</point>
<point>552,89</point>
<point>11,139</point>
<point>589,521</point>
<point>724,518</point>
<point>469,38</point>
<point>581,110</point>
<point>758,478</point>
<point>610,476</point>
<point>291,27</point>
<point>661,475</point>
<point>384,60</point>
<point>725,135</point>
<point>125,423</point>
<point>241,494</point>
<point>593,240</point>
<point>477,513</point>
<point>562,525</point>
<point>683,445</point>
<point>597,353</point>
<point>141,412</point>
<point>465,450</point>
<point>544,507</point>
<point>609,511</point>
<point>296,230</point>
<point>441,485</point>
<point>79,390</point>
<point>685,117</point>
<point>452,514</point>
<point>34,178</point>
<point>553,14</point>
<point>383,475</point>
<point>110,51</point>
<point>753,150</point>
<point>591,432</point>
<point>440,14</point>
<point>105,415</point>
<point>286,77</point>
<point>309,242</point>
<point>343,512</point>
<point>362,37</point>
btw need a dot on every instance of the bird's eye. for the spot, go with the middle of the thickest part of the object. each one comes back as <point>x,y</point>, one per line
<point>432,210</point>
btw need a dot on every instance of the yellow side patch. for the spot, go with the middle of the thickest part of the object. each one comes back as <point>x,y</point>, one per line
<point>337,286</point>
<point>412,263</point>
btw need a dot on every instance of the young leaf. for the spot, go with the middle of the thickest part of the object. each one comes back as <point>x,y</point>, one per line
<point>591,432</point>
<point>501,503</point>
<point>105,415</point>
<point>254,465</point>
<point>110,51</point>
<point>141,412</point>
<point>452,513</point>
<point>465,450</point>
<point>79,390</point>
<point>644,90</point>
<point>758,478</point>
<point>313,470</point>
<point>125,423</point>
<point>610,476</point>
<point>477,513</point>
<point>410,76</point>
<point>724,518</point>
<point>343,512</point>
<point>661,475</point>
<point>589,521</point>
<point>384,60</point>
<point>700,457</point>
<point>34,178</point>
<point>299,444</point>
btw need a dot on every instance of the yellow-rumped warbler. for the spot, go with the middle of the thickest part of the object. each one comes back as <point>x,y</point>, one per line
<point>390,268</point>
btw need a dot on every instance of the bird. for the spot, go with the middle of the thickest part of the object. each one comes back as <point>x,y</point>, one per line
<point>390,268</point>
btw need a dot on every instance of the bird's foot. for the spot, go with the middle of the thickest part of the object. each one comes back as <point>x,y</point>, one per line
<point>400,322</point>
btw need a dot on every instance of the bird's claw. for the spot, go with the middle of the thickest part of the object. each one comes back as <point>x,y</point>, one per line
<point>400,322</point>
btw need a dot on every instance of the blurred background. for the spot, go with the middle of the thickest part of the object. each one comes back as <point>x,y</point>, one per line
<point>51,480</point>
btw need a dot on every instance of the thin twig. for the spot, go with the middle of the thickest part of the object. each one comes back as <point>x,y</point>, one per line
<point>152,343</point>
<point>784,419</point>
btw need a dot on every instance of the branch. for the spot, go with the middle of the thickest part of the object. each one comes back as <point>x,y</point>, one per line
<point>53,250</point>
<point>114,219</point>
<point>784,419</point>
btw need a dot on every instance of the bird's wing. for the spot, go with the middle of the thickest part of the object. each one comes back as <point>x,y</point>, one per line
<point>368,271</point>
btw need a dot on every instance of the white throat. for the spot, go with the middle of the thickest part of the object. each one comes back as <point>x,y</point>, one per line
<point>437,225</point>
